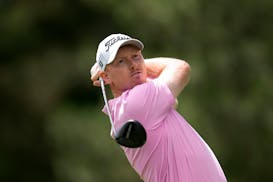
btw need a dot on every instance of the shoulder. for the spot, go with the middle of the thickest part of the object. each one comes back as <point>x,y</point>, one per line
<point>150,89</point>
<point>141,89</point>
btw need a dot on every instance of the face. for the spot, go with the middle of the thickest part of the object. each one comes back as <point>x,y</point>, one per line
<point>127,70</point>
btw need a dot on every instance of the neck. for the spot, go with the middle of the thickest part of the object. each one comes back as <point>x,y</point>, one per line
<point>116,93</point>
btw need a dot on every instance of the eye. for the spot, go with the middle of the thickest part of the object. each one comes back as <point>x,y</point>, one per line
<point>120,61</point>
<point>136,56</point>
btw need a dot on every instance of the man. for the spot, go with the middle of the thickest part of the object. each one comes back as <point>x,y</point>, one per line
<point>146,91</point>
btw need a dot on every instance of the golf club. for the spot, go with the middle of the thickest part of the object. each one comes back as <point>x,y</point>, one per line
<point>131,134</point>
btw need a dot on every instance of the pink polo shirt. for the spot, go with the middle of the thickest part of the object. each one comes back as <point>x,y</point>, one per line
<point>174,151</point>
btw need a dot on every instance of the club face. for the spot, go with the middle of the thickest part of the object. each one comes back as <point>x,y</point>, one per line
<point>132,134</point>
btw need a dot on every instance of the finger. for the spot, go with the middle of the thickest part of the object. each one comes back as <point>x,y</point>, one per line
<point>96,83</point>
<point>95,71</point>
<point>95,77</point>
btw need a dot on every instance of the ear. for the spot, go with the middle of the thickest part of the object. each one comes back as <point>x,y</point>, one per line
<point>105,77</point>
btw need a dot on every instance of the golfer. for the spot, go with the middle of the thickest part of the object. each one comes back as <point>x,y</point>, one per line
<point>146,90</point>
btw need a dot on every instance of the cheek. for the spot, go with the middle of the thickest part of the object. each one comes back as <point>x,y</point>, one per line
<point>118,75</point>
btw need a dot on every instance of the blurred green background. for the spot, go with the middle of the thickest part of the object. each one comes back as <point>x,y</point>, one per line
<point>51,127</point>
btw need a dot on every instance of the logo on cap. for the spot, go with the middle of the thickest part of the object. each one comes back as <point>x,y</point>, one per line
<point>112,41</point>
<point>101,64</point>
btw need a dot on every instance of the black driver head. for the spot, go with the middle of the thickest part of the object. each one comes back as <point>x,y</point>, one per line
<point>132,134</point>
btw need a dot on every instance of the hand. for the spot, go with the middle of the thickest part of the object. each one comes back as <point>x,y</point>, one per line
<point>95,72</point>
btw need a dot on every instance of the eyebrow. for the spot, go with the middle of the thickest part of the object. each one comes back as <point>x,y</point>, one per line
<point>118,57</point>
<point>133,52</point>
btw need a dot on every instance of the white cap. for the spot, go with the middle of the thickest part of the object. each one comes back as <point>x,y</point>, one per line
<point>109,47</point>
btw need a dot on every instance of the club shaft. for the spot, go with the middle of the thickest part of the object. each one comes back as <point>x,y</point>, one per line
<point>107,105</point>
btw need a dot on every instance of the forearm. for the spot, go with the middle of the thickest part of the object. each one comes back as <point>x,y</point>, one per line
<point>155,66</point>
<point>174,72</point>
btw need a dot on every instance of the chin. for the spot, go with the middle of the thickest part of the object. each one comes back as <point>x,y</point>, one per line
<point>139,81</point>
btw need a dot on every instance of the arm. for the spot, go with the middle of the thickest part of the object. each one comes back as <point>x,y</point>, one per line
<point>174,72</point>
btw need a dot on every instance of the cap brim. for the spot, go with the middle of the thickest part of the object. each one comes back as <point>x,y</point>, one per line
<point>133,42</point>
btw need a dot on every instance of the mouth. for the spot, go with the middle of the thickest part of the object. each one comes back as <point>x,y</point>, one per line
<point>135,74</point>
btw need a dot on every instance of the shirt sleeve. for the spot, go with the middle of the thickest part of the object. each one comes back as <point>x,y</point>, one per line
<point>150,102</point>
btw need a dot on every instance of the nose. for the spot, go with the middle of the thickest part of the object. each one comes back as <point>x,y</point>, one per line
<point>133,64</point>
